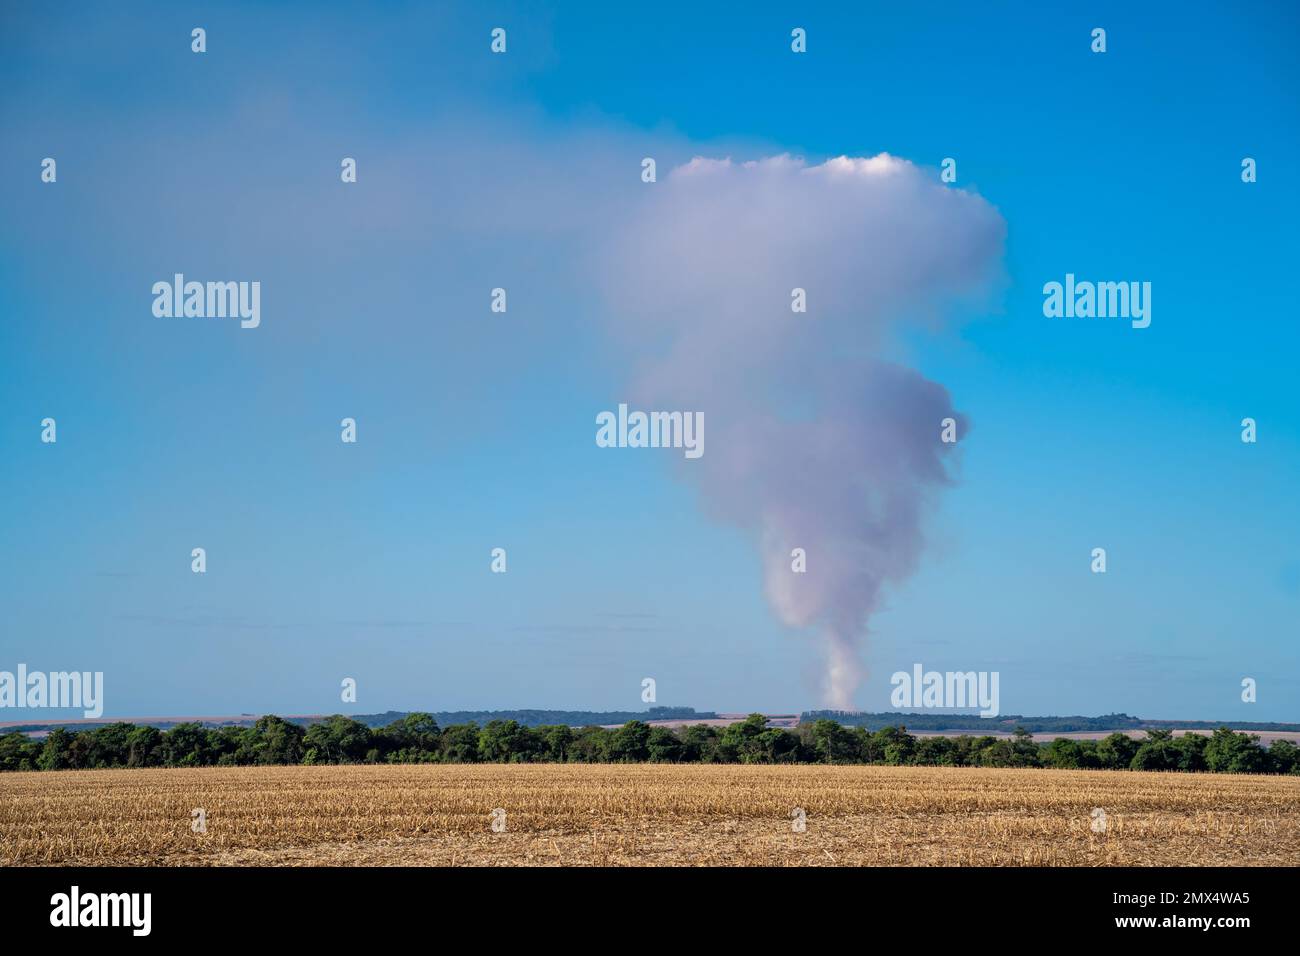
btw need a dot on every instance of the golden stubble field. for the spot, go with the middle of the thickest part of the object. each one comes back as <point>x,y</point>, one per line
<point>649,815</point>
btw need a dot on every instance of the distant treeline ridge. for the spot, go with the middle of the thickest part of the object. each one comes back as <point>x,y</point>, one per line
<point>927,722</point>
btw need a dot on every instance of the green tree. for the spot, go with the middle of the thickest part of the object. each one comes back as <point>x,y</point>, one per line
<point>1190,749</point>
<point>54,753</point>
<point>277,741</point>
<point>1063,754</point>
<point>895,745</point>
<point>19,752</point>
<point>699,744</point>
<point>592,745</point>
<point>1116,751</point>
<point>185,745</point>
<point>935,752</point>
<point>1024,751</point>
<point>144,747</point>
<point>108,746</point>
<point>336,739</point>
<point>229,746</point>
<point>631,743</point>
<point>80,749</point>
<point>414,737</point>
<point>1157,752</point>
<point>459,744</point>
<point>832,742</point>
<point>664,746</point>
<point>743,739</point>
<point>995,753</point>
<point>1229,752</point>
<point>505,741</point>
<point>1284,757</point>
<point>556,742</point>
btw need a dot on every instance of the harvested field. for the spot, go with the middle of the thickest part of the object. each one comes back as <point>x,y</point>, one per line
<point>645,815</point>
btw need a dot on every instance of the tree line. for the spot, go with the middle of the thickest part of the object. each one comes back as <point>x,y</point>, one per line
<point>417,738</point>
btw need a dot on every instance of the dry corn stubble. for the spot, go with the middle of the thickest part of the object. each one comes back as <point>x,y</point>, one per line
<point>645,815</point>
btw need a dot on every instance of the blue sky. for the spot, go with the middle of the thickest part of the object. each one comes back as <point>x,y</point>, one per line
<point>372,561</point>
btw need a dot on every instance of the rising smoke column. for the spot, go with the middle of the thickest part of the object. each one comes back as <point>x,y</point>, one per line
<point>813,439</point>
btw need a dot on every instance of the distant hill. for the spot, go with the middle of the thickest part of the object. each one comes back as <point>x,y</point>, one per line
<point>445,718</point>
<point>542,718</point>
<point>922,723</point>
<point>1005,723</point>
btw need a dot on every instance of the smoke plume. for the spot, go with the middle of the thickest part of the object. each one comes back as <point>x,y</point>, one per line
<point>815,441</point>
